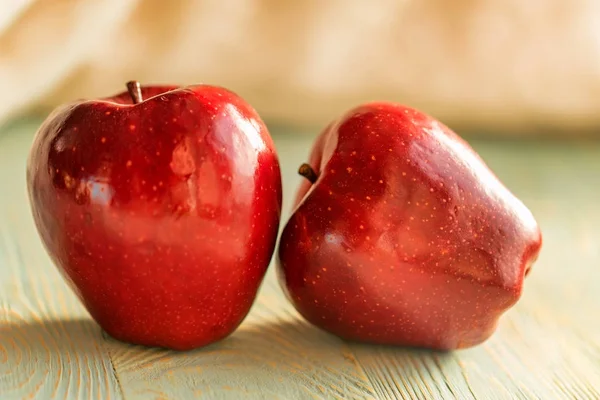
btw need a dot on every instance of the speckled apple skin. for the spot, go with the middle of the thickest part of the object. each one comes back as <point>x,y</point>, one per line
<point>162,215</point>
<point>406,238</point>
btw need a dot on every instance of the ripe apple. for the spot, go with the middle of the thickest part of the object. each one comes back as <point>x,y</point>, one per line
<point>402,235</point>
<point>160,206</point>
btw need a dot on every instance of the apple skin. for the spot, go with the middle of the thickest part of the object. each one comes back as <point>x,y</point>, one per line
<point>161,215</point>
<point>406,237</point>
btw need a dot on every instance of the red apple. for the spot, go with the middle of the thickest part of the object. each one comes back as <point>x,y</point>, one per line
<point>160,206</point>
<point>402,235</point>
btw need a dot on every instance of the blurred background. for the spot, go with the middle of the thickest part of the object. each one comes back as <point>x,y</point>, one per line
<point>486,67</point>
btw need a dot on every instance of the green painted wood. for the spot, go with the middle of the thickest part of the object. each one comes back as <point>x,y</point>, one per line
<point>547,347</point>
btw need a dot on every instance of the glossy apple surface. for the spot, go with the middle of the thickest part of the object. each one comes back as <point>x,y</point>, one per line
<point>405,237</point>
<point>162,215</point>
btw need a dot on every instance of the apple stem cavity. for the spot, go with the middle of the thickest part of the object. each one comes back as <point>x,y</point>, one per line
<point>308,172</point>
<point>135,91</point>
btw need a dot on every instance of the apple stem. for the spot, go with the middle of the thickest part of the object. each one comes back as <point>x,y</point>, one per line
<point>308,172</point>
<point>135,91</point>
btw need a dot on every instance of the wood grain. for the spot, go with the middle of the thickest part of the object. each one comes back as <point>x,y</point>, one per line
<point>547,347</point>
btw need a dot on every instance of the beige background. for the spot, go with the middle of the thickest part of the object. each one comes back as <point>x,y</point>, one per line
<point>489,65</point>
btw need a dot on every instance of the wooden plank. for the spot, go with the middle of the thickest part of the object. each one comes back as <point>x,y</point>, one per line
<point>547,347</point>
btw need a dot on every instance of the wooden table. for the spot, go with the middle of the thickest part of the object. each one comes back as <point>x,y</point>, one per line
<point>547,347</point>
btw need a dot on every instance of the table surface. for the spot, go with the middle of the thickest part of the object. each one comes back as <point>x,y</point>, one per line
<point>546,347</point>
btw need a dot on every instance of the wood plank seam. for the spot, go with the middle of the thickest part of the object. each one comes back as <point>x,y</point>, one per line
<point>112,365</point>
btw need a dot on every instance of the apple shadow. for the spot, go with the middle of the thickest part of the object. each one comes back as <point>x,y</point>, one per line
<point>259,360</point>
<point>263,359</point>
<point>26,341</point>
<point>48,359</point>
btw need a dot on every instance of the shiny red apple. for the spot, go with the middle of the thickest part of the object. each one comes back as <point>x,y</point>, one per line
<point>160,206</point>
<point>402,235</point>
